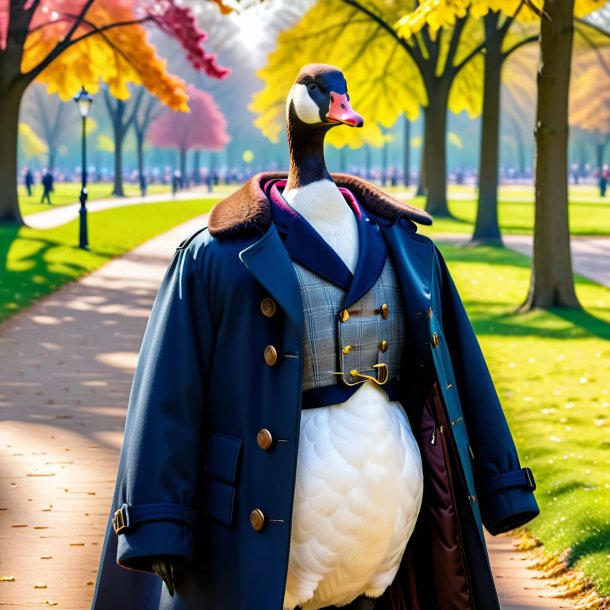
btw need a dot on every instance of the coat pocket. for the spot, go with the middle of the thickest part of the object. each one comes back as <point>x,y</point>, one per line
<point>221,470</point>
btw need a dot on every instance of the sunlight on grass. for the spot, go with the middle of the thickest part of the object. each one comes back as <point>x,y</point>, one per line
<point>35,262</point>
<point>551,373</point>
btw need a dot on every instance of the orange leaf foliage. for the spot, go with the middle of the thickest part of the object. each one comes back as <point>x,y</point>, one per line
<point>119,55</point>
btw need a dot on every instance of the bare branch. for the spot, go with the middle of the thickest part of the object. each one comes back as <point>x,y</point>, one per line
<point>593,46</point>
<point>384,25</point>
<point>518,45</point>
<point>61,47</point>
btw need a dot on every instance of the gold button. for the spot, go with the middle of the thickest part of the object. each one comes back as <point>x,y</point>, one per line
<point>270,355</point>
<point>383,346</point>
<point>264,439</point>
<point>430,312</point>
<point>347,349</point>
<point>257,519</point>
<point>268,307</point>
<point>344,315</point>
<point>435,339</point>
<point>385,311</point>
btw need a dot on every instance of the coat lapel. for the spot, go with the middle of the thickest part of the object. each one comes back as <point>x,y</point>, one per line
<point>268,261</point>
<point>372,252</point>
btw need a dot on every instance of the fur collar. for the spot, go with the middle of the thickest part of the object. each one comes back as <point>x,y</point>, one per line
<point>249,207</point>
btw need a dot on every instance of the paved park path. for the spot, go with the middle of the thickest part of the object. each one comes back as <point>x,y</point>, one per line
<point>66,365</point>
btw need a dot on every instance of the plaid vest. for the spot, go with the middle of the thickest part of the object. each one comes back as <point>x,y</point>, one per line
<point>343,348</point>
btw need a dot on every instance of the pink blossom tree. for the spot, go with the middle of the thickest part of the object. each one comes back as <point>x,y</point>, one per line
<point>204,127</point>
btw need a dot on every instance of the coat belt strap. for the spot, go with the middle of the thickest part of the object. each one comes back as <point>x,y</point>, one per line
<point>513,478</point>
<point>128,517</point>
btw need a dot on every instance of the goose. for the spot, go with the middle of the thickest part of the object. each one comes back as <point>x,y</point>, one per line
<point>359,482</point>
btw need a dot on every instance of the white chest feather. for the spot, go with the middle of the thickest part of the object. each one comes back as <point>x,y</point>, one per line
<point>358,494</point>
<point>323,206</point>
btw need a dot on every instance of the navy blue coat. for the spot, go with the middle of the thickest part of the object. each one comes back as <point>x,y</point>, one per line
<point>191,470</point>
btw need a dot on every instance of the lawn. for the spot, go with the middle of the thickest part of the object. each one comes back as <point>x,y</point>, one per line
<point>586,217</point>
<point>551,372</point>
<point>66,193</point>
<point>35,262</point>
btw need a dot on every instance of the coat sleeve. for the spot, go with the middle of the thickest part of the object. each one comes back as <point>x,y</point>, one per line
<point>158,470</point>
<point>505,490</point>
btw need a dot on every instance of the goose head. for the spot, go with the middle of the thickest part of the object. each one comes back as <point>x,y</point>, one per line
<point>318,101</point>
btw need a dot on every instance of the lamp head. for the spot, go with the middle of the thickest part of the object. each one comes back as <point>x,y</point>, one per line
<point>83,100</point>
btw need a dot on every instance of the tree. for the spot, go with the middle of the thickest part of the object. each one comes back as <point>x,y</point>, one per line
<point>204,127</point>
<point>69,43</point>
<point>148,110</point>
<point>388,73</point>
<point>590,98</point>
<point>51,118</point>
<point>122,114</point>
<point>552,283</point>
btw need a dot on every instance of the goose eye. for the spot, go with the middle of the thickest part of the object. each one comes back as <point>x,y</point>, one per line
<point>312,87</point>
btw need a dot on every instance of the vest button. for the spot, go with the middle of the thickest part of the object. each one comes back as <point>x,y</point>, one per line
<point>268,307</point>
<point>383,346</point>
<point>344,315</point>
<point>347,349</point>
<point>385,311</point>
<point>270,355</point>
<point>264,439</point>
<point>257,519</point>
<point>435,339</point>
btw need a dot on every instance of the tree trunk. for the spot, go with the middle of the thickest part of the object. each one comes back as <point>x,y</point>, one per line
<point>421,178</point>
<point>486,228</point>
<point>118,190</point>
<point>435,148</point>
<point>52,150</point>
<point>183,181</point>
<point>196,166</point>
<point>552,282</point>
<point>406,159</point>
<point>600,148</point>
<point>384,164</point>
<point>520,149</point>
<point>140,154</point>
<point>342,160</point>
<point>10,101</point>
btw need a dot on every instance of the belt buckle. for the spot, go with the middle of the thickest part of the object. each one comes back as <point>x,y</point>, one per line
<point>122,519</point>
<point>382,375</point>
<point>529,477</point>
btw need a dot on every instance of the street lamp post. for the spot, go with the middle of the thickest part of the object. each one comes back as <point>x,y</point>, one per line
<point>83,100</point>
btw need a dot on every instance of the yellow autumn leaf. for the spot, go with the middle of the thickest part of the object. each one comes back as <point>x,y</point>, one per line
<point>32,145</point>
<point>383,81</point>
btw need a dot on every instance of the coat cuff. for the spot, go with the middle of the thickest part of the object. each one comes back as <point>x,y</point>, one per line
<point>146,531</point>
<point>507,501</point>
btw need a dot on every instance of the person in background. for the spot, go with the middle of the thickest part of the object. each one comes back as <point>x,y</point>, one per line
<point>29,181</point>
<point>604,174</point>
<point>47,185</point>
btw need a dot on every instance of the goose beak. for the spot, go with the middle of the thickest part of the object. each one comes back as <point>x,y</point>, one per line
<point>341,112</point>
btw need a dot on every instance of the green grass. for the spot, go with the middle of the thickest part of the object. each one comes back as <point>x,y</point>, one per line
<point>67,193</point>
<point>551,373</point>
<point>35,262</point>
<point>517,217</point>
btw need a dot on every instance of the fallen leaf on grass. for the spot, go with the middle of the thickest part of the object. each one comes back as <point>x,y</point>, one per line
<point>7,579</point>
<point>77,544</point>
<point>46,557</point>
<point>19,525</point>
<point>40,585</point>
<point>48,603</point>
